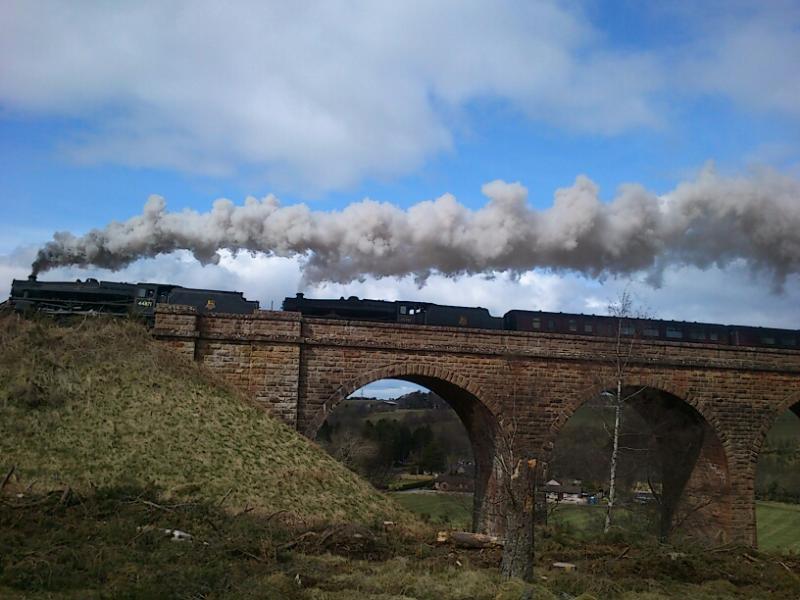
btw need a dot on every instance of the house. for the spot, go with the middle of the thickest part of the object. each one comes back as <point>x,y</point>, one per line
<point>568,493</point>
<point>454,483</point>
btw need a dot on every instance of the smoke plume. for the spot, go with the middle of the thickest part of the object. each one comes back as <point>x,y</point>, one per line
<point>709,221</point>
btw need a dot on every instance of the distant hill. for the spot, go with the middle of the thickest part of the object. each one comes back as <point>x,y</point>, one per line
<point>420,400</point>
<point>99,403</point>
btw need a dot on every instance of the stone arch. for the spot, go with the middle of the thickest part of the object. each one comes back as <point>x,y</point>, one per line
<point>653,382</point>
<point>693,449</point>
<point>479,416</point>
<point>405,370</point>
<point>791,402</point>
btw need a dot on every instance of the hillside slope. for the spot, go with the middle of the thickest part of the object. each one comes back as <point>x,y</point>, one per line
<point>99,403</point>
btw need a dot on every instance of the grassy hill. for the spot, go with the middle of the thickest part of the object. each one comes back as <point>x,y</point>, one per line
<point>98,403</point>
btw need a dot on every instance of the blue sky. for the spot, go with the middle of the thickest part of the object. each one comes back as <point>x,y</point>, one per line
<point>328,103</point>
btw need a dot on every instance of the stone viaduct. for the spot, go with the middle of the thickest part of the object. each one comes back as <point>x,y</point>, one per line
<point>711,406</point>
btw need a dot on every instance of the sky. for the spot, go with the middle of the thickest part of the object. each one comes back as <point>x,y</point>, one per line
<point>326,104</point>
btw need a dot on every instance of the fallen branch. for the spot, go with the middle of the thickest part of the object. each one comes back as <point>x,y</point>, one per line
<point>248,554</point>
<point>752,559</point>
<point>785,566</point>
<point>225,497</point>
<point>154,505</point>
<point>275,514</point>
<point>297,540</point>
<point>7,477</point>
<point>466,539</point>
<point>65,496</point>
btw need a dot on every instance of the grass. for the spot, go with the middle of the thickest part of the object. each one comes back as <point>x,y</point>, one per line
<point>112,544</point>
<point>451,509</point>
<point>778,526</point>
<point>98,403</point>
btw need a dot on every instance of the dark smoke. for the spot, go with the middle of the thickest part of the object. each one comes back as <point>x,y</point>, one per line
<point>709,221</point>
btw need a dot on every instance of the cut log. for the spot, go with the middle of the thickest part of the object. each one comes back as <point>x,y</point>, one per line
<point>466,539</point>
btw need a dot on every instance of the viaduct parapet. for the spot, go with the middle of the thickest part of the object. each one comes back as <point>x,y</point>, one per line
<point>710,406</point>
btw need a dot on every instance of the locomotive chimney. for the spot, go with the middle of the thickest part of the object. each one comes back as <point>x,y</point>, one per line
<point>32,277</point>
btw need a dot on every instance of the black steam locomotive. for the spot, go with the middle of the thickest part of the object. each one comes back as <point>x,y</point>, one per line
<point>108,297</point>
<point>426,313</point>
<point>419,313</point>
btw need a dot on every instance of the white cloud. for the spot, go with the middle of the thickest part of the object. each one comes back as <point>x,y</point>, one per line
<point>317,94</point>
<point>320,94</point>
<point>747,52</point>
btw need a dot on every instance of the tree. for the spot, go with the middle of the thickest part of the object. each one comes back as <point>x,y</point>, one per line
<point>625,316</point>
<point>433,457</point>
<point>518,473</point>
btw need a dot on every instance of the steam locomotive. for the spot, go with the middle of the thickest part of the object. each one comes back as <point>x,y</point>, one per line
<point>113,298</point>
<point>140,299</point>
<point>427,313</point>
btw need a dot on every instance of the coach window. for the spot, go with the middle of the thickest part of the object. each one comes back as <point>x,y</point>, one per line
<point>587,328</point>
<point>551,326</point>
<point>403,310</point>
<point>713,336</point>
<point>768,339</point>
<point>627,329</point>
<point>536,323</point>
<point>650,332</point>
<point>788,341</point>
<point>573,325</point>
<point>697,335</point>
<point>674,333</point>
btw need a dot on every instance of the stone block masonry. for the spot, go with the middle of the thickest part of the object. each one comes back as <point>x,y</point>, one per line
<point>526,384</point>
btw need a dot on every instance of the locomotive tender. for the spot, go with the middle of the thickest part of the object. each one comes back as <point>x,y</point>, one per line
<point>140,299</point>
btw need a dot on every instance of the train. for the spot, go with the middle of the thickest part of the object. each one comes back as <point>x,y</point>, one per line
<point>428,313</point>
<point>140,299</point>
<point>114,298</point>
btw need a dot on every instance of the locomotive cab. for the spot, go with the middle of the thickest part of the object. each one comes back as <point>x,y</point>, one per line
<point>410,313</point>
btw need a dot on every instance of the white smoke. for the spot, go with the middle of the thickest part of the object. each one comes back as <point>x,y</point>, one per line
<point>710,221</point>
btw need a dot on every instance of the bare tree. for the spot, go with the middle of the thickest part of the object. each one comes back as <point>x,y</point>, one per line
<point>518,474</point>
<point>625,337</point>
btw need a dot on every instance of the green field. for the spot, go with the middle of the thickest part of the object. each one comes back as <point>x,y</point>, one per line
<point>778,523</point>
<point>778,526</point>
<point>454,510</point>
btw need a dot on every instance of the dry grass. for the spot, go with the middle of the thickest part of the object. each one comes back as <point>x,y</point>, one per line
<point>112,545</point>
<point>98,403</point>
